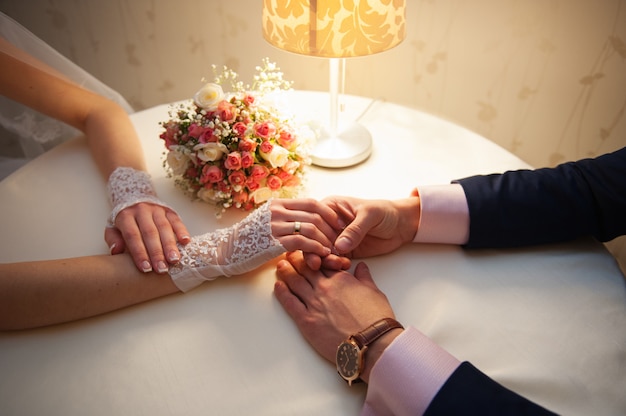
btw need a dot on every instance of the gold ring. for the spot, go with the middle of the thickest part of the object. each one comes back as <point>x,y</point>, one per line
<point>296,227</point>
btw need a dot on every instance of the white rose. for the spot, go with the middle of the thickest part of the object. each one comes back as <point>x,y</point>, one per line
<point>207,195</point>
<point>178,159</point>
<point>277,157</point>
<point>291,166</point>
<point>209,152</point>
<point>261,195</point>
<point>209,96</point>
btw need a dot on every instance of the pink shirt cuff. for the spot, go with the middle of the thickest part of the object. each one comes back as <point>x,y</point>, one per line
<point>407,376</point>
<point>444,215</point>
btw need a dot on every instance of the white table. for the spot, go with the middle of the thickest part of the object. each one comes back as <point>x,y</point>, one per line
<point>548,322</point>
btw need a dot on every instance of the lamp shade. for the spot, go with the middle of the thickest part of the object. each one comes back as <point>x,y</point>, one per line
<point>334,28</point>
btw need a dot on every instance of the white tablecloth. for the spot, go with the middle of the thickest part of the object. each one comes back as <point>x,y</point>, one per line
<point>548,322</point>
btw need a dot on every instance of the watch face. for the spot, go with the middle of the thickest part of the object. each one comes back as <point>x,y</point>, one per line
<point>348,360</point>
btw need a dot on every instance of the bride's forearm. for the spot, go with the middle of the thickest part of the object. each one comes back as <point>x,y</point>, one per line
<point>41,293</point>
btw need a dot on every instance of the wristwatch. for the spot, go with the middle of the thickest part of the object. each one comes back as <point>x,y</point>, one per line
<point>350,356</point>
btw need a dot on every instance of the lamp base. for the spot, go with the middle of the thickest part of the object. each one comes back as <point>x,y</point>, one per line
<point>351,146</point>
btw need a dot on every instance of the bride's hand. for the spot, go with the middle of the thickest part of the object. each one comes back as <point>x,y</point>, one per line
<point>149,232</point>
<point>309,226</point>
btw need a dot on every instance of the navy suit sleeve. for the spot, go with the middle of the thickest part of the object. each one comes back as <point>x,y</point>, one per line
<point>470,392</point>
<point>525,207</point>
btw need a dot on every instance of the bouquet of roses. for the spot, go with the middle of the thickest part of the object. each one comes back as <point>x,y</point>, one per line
<point>236,148</point>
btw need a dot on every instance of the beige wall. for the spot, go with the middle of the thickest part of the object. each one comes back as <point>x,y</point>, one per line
<point>545,79</point>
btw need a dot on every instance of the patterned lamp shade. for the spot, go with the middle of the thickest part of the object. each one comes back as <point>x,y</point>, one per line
<point>334,28</point>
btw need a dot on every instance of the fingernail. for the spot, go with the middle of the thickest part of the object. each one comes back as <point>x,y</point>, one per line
<point>111,248</point>
<point>342,244</point>
<point>146,267</point>
<point>185,239</point>
<point>173,257</point>
<point>161,267</point>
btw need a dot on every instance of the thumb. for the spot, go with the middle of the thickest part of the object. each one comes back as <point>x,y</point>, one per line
<point>115,241</point>
<point>363,274</point>
<point>354,233</point>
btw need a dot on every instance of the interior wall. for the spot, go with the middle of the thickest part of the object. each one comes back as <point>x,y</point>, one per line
<point>545,79</point>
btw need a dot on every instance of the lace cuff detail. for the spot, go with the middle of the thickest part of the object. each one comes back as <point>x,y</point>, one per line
<point>128,187</point>
<point>228,251</point>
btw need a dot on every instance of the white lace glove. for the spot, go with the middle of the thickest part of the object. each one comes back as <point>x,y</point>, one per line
<point>228,251</point>
<point>128,187</point>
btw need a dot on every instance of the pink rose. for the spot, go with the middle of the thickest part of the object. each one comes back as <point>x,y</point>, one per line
<point>292,181</point>
<point>195,130</point>
<point>274,182</point>
<point>208,136</point>
<point>259,172</point>
<point>247,159</point>
<point>265,130</point>
<point>226,111</point>
<point>266,146</point>
<point>240,129</point>
<point>247,145</point>
<point>291,166</point>
<point>223,186</point>
<point>252,184</point>
<point>286,139</point>
<point>288,179</point>
<point>169,135</point>
<point>248,100</point>
<point>282,174</point>
<point>240,198</point>
<point>233,161</point>
<point>211,174</point>
<point>237,178</point>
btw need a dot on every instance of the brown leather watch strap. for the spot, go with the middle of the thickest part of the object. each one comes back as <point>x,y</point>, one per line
<point>375,331</point>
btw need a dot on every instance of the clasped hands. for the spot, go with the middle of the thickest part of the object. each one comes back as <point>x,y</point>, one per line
<point>314,285</point>
<point>325,300</point>
<point>151,232</point>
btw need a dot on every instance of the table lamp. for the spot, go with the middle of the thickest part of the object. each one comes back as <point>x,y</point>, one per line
<point>336,30</point>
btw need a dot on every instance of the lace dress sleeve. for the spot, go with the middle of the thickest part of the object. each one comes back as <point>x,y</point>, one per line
<point>128,187</point>
<point>227,252</point>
